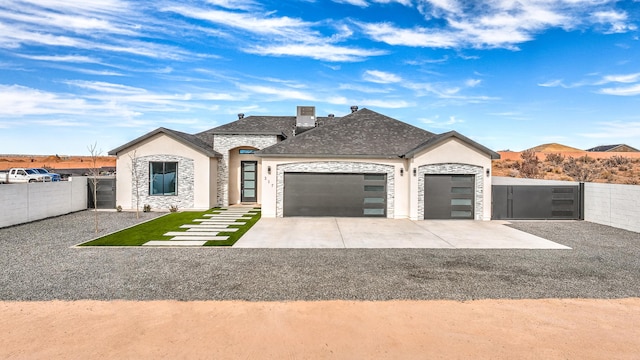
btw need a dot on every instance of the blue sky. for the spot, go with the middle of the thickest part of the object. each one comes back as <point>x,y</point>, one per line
<point>508,74</point>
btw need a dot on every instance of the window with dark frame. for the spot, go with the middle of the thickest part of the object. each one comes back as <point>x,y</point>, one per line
<point>163,178</point>
<point>246,151</point>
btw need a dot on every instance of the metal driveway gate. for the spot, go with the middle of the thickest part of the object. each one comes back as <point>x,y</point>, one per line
<point>330,194</point>
<point>537,202</point>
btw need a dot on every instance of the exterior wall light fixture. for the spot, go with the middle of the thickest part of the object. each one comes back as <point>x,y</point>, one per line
<point>488,172</point>
<point>401,172</point>
<point>269,169</point>
<point>415,172</point>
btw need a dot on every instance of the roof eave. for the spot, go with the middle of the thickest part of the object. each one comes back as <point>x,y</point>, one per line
<point>329,156</point>
<point>277,133</point>
<point>169,133</point>
<point>449,135</point>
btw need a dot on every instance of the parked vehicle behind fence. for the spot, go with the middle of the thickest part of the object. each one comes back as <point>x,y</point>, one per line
<point>54,176</point>
<point>21,175</point>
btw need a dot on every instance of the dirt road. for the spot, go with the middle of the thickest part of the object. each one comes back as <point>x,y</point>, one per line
<point>524,329</point>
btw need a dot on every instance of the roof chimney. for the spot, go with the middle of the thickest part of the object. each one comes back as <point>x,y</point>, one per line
<point>354,109</point>
<point>331,115</point>
<point>240,116</point>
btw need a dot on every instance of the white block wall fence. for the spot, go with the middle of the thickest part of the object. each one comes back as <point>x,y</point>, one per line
<point>613,204</point>
<point>21,203</point>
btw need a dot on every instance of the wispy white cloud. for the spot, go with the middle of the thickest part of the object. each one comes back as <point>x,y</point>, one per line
<point>325,52</point>
<point>282,36</point>
<point>365,89</point>
<point>380,77</point>
<point>60,123</point>
<point>235,4</point>
<point>256,23</point>
<point>552,83</point>
<point>472,82</point>
<point>277,93</point>
<point>622,90</point>
<point>616,21</point>
<point>366,3</point>
<point>495,24</point>
<point>385,103</point>
<point>615,130</point>
<point>624,78</point>
<point>105,87</point>
<point>630,90</point>
<point>61,58</point>
<point>436,122</point>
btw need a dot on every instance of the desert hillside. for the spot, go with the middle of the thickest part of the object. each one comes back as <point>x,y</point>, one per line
<point>571,165</point>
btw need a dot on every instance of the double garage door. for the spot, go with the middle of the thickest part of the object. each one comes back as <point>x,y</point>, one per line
<point>358,195</point>
<point>343,195</point>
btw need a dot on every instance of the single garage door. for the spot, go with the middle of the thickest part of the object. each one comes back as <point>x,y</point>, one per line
<point>345,195</point>
<point>449,196</point>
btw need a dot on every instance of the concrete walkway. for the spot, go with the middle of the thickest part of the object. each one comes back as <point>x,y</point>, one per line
<point>328,232</point>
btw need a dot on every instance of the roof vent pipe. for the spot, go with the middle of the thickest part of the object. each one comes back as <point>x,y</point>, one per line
<point>240,116</point>
<point>354,109</point>
<point>331,115</point>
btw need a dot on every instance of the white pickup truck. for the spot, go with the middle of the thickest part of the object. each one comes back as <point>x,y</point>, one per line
<point>21,175</point>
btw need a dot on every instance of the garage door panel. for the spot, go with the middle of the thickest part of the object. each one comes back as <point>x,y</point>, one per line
<point>449,196</point>
<point>344,195</point>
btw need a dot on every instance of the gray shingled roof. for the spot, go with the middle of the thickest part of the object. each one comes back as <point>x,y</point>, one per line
<point>190,140</point>
<point>604,148</point>
<point>259,125</point>
<point>364,133</point>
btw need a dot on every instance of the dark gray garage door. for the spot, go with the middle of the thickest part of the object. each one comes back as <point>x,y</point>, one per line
<point>449,196</point>
<point>348,195</point>
<point>536,202</point>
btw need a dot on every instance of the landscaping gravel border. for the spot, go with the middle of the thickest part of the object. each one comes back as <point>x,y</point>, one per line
<point>38,262</point>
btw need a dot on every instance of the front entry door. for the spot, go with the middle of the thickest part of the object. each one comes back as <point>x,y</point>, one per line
<point>248,181</point>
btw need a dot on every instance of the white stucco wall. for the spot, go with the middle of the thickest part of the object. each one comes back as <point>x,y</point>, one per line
<point>204,184</point>
<point>613,205</point>
<point>451,152</point>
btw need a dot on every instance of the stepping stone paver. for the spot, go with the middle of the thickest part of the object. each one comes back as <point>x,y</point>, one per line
<point>173,243</point>
<point>192,233</point>
<point>219,221</point>
<point>213,230</point>
<point>202,238</point>
<point>207,227</point>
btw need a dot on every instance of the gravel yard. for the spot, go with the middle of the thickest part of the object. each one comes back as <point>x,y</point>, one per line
<point>39,262</point>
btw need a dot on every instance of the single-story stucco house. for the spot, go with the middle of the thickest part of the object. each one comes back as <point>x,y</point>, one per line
<point>361,164</point>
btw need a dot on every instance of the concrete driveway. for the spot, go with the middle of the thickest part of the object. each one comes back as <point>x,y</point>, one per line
<point>329,232</point>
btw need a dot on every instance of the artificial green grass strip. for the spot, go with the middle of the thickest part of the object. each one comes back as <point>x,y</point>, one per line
<point>236,235</point>
<point>151,230</point>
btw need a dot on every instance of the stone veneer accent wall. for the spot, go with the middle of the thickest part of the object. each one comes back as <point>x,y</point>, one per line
<point>183,200</point>
<point>453,169</point>
<point>223,144</point>
<point>335,167</point>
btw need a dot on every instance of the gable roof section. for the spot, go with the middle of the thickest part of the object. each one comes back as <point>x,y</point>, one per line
<point>259,125</point>
<point>616,147</point>
<point>439,139</point>
<point>364,133</point>
<point>189,140</point>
